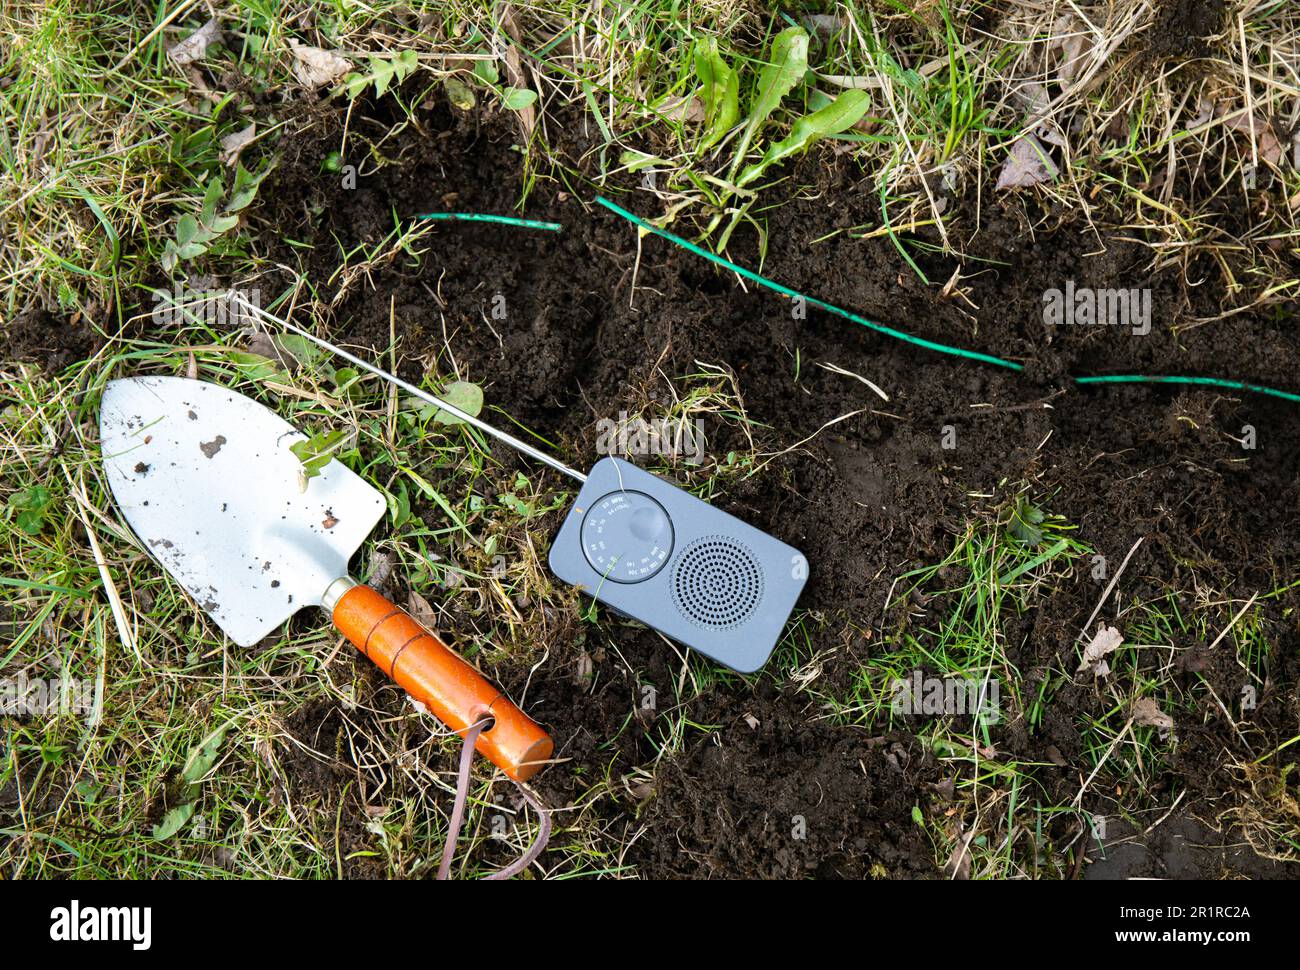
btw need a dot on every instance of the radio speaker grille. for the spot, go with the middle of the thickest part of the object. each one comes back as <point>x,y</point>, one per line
<point>717,582</point>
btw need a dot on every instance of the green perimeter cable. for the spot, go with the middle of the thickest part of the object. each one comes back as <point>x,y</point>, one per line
<point>918,341</point>
<point>484,217</point>
<point>795,294</point>
<point>1207,381</point>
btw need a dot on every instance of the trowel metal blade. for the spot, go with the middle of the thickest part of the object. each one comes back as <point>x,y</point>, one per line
<point>207,482</point>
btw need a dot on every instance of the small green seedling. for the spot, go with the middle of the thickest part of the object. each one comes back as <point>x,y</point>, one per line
<point>399,504</point>
<point>30,506</point>
<point>384,71</point>
<point>347,383</point>
<point>201,760</point>
<point>315,453</point>
<point>460,94</point>
<point>195,233</point>
<point>517,99</point>
<point>465,395</point>
<point>1026,517</point>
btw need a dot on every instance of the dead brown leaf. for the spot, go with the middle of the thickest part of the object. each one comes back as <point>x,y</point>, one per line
<point>273,348</point>
<point>381,565</point>
<point>1267,142</point>
<point>958,865</point>
<point>1034,97</point>
<point>823,24</point>
<point>421,610</point>
<point>1027,165</point>
<point>1204,112</point>
<point>236,142</point>
<point>1105,641</point>
<point>193,47</point>
<point>586,670</point>
<point>1073,44</point>
<point>683,108</point>
<point>314,67</point>
<point>1147,711</point>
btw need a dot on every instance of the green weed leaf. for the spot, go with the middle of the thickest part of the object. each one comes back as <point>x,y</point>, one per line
<point>203,756</point>
<point>187,227</point>
<point>254,367</point>
<point>30,522</point>
<point>195,231</point>
<point>399,505</point>
<point>1025,521</point>
<point>30,505</point>
<point>634,160</point>
<point>382,71</point>
<point>460,94</point>
<point>385,72</point>
<point>838,116</point>
<point>211,196</point>
<point>316,452</point>
<point>173,822</point>
<point>720,93</point>
<point>486,71</point>
<point>299,348</point>
<point>517,99</point>
<point>515,504</point>
<point>787,62</point>
<point>460,394</point>
<point>354,84</point>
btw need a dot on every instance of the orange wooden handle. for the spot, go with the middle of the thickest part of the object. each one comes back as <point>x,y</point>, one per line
<point>444,683</point>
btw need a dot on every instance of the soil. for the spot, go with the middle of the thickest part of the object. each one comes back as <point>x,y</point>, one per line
<point>48,339</point>
<point>316,774</point>
<point>772,795</point>
<point>595,319</point>
<point>1180,848</point>
<point>1183,27</point>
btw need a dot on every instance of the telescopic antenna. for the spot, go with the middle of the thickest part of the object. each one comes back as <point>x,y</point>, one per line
<point>483,426</point>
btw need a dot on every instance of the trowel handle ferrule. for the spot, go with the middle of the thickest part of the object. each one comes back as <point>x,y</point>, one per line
<point>450,688</point>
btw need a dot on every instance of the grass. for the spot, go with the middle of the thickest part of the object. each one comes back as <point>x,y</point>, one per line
<point>949,623</point>
<point>107,146</point>
<point>107,138</point>
<point>1006,817</point>
<point>993,574</point>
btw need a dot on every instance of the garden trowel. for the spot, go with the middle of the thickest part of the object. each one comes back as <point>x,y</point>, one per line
<point>207,481</point>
